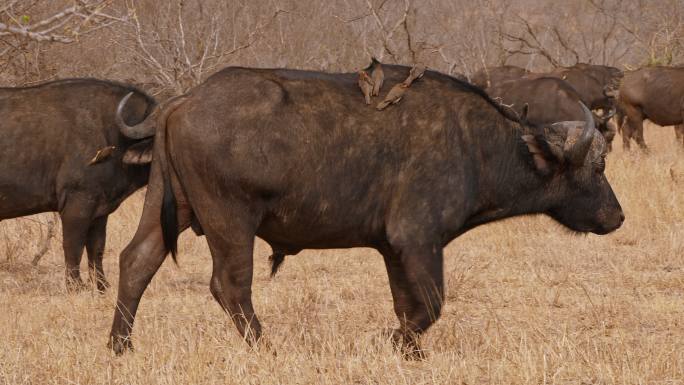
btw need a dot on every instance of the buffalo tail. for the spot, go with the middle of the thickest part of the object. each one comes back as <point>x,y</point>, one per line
<point>169,219</point>
<point>169,210</point>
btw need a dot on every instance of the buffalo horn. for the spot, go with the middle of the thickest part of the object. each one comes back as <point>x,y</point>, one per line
<point>579,150</point>
<point>141,130</point>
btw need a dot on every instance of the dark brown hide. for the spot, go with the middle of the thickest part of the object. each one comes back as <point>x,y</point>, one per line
<point>295,158</point>
<point>594,83</point>
<point>654,93</point>
<point>50,134</point>
<point>549,100</point>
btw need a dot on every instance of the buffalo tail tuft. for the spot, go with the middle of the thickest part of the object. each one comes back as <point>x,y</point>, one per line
<point>277,258</point>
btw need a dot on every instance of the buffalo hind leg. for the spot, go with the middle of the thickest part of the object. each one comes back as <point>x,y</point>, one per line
<point>76,221</point>
<point>417,285</point>
<point>138,263</point>
<point>95,244</point>
<point>231,279</point>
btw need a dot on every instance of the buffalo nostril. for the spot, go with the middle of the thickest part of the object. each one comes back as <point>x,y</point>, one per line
<point>622,217</point>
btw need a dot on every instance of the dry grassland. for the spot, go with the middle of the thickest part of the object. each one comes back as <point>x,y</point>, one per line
<point>527,303</point>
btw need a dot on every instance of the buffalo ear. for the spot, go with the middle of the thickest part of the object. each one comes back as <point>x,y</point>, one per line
<point>611,92</point>
<point>139,153</point>
<point>546,156</point>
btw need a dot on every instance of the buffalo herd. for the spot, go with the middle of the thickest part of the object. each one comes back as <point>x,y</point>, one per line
<point>298,159</point>
<point>654,93</point>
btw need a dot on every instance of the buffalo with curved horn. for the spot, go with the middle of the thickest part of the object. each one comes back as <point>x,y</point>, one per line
<point>289,157</point>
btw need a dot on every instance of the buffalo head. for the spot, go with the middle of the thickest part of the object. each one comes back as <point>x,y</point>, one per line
<point>571,155</point>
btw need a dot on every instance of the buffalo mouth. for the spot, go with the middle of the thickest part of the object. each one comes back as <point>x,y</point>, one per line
<point>603,230</point>
<point>606,228</point>
<point>602,227</point>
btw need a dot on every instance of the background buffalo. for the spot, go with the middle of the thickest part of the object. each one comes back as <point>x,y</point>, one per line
<point>49,137</point>
<point>654,93</point>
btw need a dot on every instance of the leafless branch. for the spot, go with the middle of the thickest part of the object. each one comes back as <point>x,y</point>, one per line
<point>182,59</point>
<point>528,42</point>
<point>64,26</point>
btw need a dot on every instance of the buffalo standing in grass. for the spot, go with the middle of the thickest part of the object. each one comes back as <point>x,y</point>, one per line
<point>297,159</point>
<point>654,93</point>
<point>597,85</point>
<point>549,100</point>
<point>49,135</point>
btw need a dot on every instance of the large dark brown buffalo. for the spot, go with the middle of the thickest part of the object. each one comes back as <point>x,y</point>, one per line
<point>297,159</point>
<point>49,135</point>
<point>549,100</point>
<point>596,84</point>
<point>654,93</point>
<point>489,76</point>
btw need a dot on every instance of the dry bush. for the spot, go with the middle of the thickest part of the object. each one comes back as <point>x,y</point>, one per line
<point>148,47</point>
<point>29,27</point>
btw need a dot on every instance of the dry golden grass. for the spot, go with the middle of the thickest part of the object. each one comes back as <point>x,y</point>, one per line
<point>527,303</point>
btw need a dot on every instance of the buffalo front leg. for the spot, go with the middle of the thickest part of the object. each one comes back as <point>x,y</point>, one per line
<point>634,128</point>
<point>95,244</point>
<point>632,123</point>
<point>626,135</point>
<point>76,221</point>
<point>417,284</point>
<point>231,279</point>
<point>639,136</point>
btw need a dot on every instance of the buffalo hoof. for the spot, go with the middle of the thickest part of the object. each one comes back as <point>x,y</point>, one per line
<point>102,285</point>
<point>413,353</point>
<point>264,345</point>
<point>406,344</point>
<point>75,285</point>
<point>120,345</point>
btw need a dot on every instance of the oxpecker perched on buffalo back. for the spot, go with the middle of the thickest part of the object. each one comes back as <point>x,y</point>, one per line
<point>366,86</point>
<point>393,96</point>
<point>377,76</point>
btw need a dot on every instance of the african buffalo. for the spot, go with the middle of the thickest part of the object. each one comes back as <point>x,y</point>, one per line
<point>50,133</point>
<point>596,85</point>
<point>549,100</point>
<point>297,159</point>
<point>654,93</point>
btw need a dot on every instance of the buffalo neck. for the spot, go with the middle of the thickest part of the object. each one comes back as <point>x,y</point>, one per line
<point>507,183</point>
<point>137,176</point>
